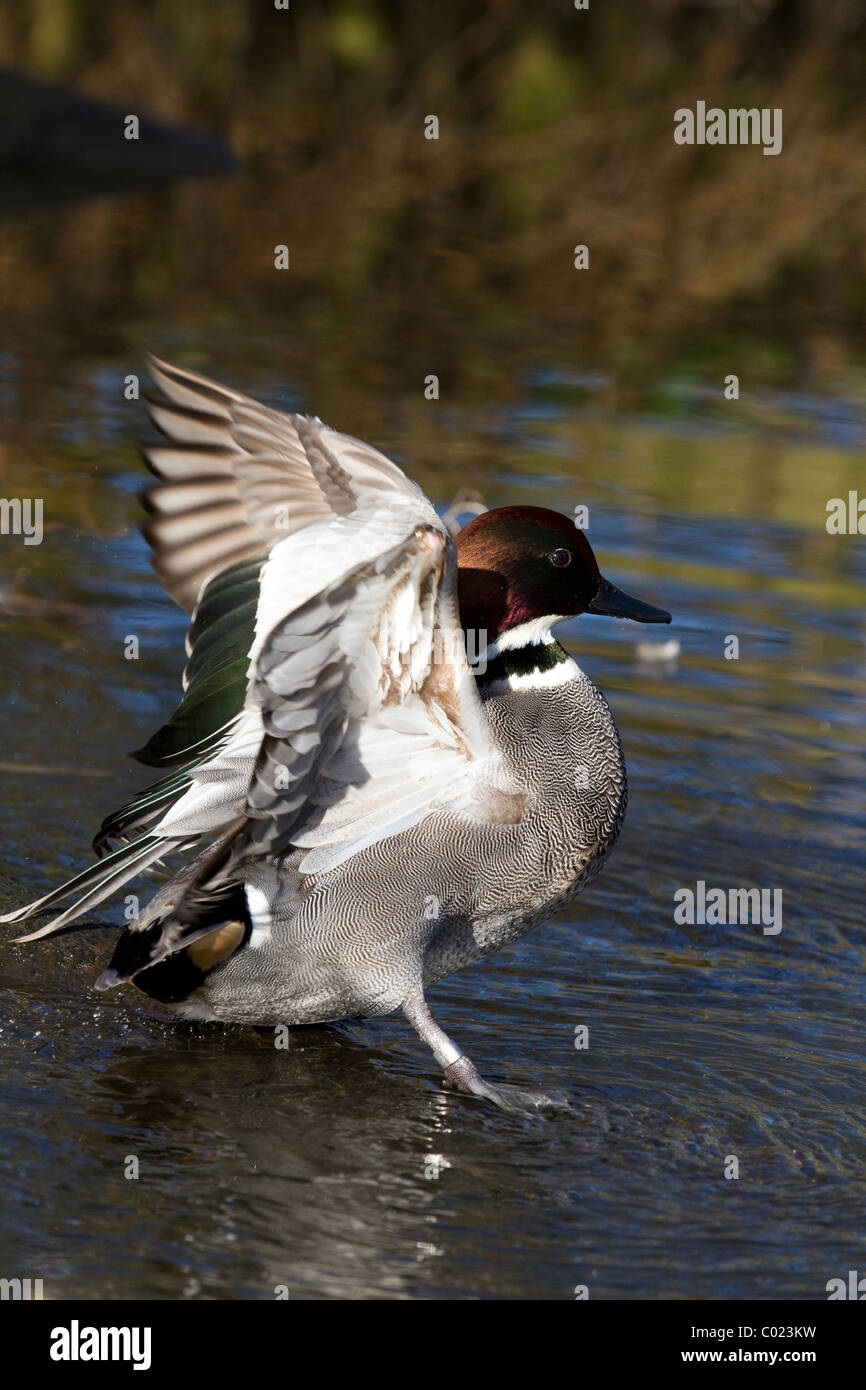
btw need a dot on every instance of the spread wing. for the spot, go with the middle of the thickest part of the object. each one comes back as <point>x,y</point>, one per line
<point>234,480</point>
<point>328,699</point>
<point>361,713</point>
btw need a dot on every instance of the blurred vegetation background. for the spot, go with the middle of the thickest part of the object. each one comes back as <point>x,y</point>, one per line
<point>556,128</point>
<point>453,256</point>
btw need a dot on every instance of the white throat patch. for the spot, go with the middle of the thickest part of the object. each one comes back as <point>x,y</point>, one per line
<point>535,633</point>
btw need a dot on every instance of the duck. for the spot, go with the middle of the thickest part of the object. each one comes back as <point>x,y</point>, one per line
<point>383,767</point>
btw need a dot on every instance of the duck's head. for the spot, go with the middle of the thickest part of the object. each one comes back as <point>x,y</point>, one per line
<point>522,569</point>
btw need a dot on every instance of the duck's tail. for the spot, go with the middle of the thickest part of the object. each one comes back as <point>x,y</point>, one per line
<point>95,884</point>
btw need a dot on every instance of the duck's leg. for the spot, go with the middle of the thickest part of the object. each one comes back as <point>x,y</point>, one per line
<point>461,1073</point>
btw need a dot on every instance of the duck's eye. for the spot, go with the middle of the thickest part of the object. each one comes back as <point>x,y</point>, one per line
<point>560,558</point>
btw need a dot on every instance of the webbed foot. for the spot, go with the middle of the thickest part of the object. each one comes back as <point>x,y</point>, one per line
<point>463,1075</point>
